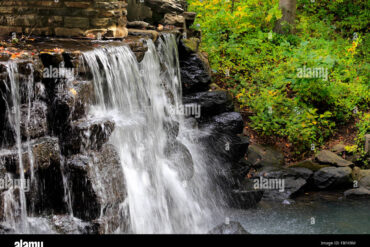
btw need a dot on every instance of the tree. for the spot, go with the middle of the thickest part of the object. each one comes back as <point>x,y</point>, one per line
<point>286,23</point>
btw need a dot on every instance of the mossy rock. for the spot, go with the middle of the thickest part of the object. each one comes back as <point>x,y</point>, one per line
<point>191,44</point>
<point>309,164</point>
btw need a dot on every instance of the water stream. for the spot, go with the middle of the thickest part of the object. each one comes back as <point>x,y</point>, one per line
<point>141,98</point>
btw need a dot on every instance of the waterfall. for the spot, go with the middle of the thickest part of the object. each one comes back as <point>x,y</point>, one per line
<point>14,117</point>
<point>168,183</point>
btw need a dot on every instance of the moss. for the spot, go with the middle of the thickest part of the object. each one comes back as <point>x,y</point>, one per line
<point>309,165</point>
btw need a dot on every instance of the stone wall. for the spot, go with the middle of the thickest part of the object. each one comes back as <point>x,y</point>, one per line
<point>71,18</point>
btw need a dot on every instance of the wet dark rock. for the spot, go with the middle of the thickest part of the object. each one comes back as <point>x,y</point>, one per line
<point>293,181</point>
<point>87,134</point>
<point>172,129</point>
<point>66,224</point>
<point>262,156</point>
<point>211,103</point>
<point>6,230</point>
<point>225,146</point>
<point>194,75</point>
<point>189,18</point>
<point>45,152</point>
<point>195,71</point>
<point>333,177</point>
<point>228,122</point>
<point>34,120</point>
<point>245,199</point>
<point>70,104</point>
<point>327,157</point>
<point>181,157</point>
<point>97,186</point>
<point>232,227</point>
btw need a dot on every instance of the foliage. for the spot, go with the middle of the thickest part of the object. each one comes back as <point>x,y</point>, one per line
<point>263,69</point>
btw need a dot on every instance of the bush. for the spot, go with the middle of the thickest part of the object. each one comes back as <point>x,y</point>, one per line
<point>299,86</point>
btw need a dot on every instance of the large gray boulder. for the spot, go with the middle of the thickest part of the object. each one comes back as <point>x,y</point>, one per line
<point>327,157</point>
<point>264,156</point>
<point>333,178</point>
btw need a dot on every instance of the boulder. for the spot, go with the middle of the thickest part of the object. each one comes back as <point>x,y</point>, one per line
<point>292,180</point>
<point>262,156</point>
<point>333,178</point>
<point>339,148</point>
<point>87,134</point>
<point>245,199</point>
<point>357,193</point>
<point>97,187</point>
<point>231,227</point>
<point>165,6</point>
<point>327,157</point>
<point>228,122</point>
<point>173,19</point>
<point>211,103</point>
<point>227,147</point>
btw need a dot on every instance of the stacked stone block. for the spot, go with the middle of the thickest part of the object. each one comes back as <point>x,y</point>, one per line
<point>67,18</point>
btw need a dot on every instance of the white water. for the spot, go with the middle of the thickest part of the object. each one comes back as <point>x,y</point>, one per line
<point>140,99</point>
<point>14,117</point>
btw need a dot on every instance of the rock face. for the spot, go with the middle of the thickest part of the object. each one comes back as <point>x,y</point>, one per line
<point>260,156</point>
<point>180,155</point>
<point>333,177</point>
<point>232,227</point>
<point>97,186</point>
<point>211,103</point>
<point>327,157</point>
<point>228,122</point>
<point>34,120</point>
<point>87,133</point>
<point>195,73</point>
<point>246,199</point>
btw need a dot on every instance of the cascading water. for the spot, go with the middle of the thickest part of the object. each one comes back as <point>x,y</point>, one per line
<point>169,189</point>
<point>14,118</point>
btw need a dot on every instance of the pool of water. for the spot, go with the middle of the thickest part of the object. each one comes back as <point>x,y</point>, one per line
<point>307,216</point>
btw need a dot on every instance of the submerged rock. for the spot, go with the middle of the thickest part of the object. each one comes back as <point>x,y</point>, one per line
<point>333,177</point>
<point>232,227</point>
<point>97,186</point>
